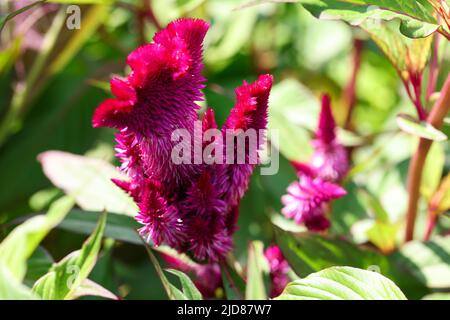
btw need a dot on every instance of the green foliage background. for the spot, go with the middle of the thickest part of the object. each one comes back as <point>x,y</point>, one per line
<point>54,98</point>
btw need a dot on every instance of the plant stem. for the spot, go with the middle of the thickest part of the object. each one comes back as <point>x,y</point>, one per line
<point>435,118</point>
<point>350,90</point>
<point>431,223</point>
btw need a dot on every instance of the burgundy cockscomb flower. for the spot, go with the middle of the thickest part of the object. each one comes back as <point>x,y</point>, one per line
<point>330,158</point>
<point>192,207</point>
<point>307,199</point>
<point>279,269</point>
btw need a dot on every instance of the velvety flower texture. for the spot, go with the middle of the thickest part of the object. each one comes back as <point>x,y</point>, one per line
<point>279,269</point>
<point>307,199</point>
<point>330,159</point>
<point>191,207</point>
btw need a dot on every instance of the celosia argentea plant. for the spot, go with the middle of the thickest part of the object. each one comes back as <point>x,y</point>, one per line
<point>192,207</point>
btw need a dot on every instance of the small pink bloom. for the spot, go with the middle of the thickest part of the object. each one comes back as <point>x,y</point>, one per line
<point>279,269</point>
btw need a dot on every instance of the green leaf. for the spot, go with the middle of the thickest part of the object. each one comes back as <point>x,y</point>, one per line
<point>118,226</point>
<point>65,277</point>
<point>419,129</point>
<point>308,253</point>
<point>89,180</point>
<point>11,288</point>
<point>429,261</point>
<point>432,171</point>
<point>172,292</point>
<point>18,246</point>
<point>256,267</point>
<point>342,283</point>
<point>190,291</point>
<point>416,21</point>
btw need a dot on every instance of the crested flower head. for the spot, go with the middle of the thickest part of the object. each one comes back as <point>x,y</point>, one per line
<point>330,158</point>
<point>279,269</point>
<point>192,207</point>
<point>307,199</point>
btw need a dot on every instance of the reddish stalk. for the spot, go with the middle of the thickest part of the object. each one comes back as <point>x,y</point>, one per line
<point>435,118</point>
<point>350,90</point>
<point>431,223</point>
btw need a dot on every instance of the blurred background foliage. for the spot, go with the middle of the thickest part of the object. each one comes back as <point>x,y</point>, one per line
<point>52,79</point>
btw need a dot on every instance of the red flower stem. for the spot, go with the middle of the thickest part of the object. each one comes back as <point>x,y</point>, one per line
<point>435,118</point>
<point>350,90</point>
<point>431,223</point>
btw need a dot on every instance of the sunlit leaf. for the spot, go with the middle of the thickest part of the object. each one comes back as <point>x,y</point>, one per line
<point>256,267</point>
<point>89,180</point>
<point>19,245</point>
<point>342,283</point>
<point>65,277</point>
<point>416,21</point>
<point>11,288</point>
<point>432,171</point>
<point>419,129</point>
<point>190,291</point>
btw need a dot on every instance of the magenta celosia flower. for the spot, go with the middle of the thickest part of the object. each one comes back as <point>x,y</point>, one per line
<point>192,207</point>
<point>330,159</point>
<point>307,199</point>
<point>279,269</point>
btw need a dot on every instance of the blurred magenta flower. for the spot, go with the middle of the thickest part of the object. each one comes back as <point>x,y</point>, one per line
<point>279,269</point>
<point>192,207</point>
<point>330,159</point>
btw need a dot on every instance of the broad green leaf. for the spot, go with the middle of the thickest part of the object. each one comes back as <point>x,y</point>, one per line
<point>89,180</point>
<point>189,289</point>
<point>342,283</point>
<point>416,21</point>
<point>308,253</point>
<point>119,227</point>
<point>419,129</point>
<point>429,261</point>
<point>11,288</point>
<point>65,277</point>
<point>432,171</point>
<point>256,267</point>
<point>408,56</point>
<point>19,245</point>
